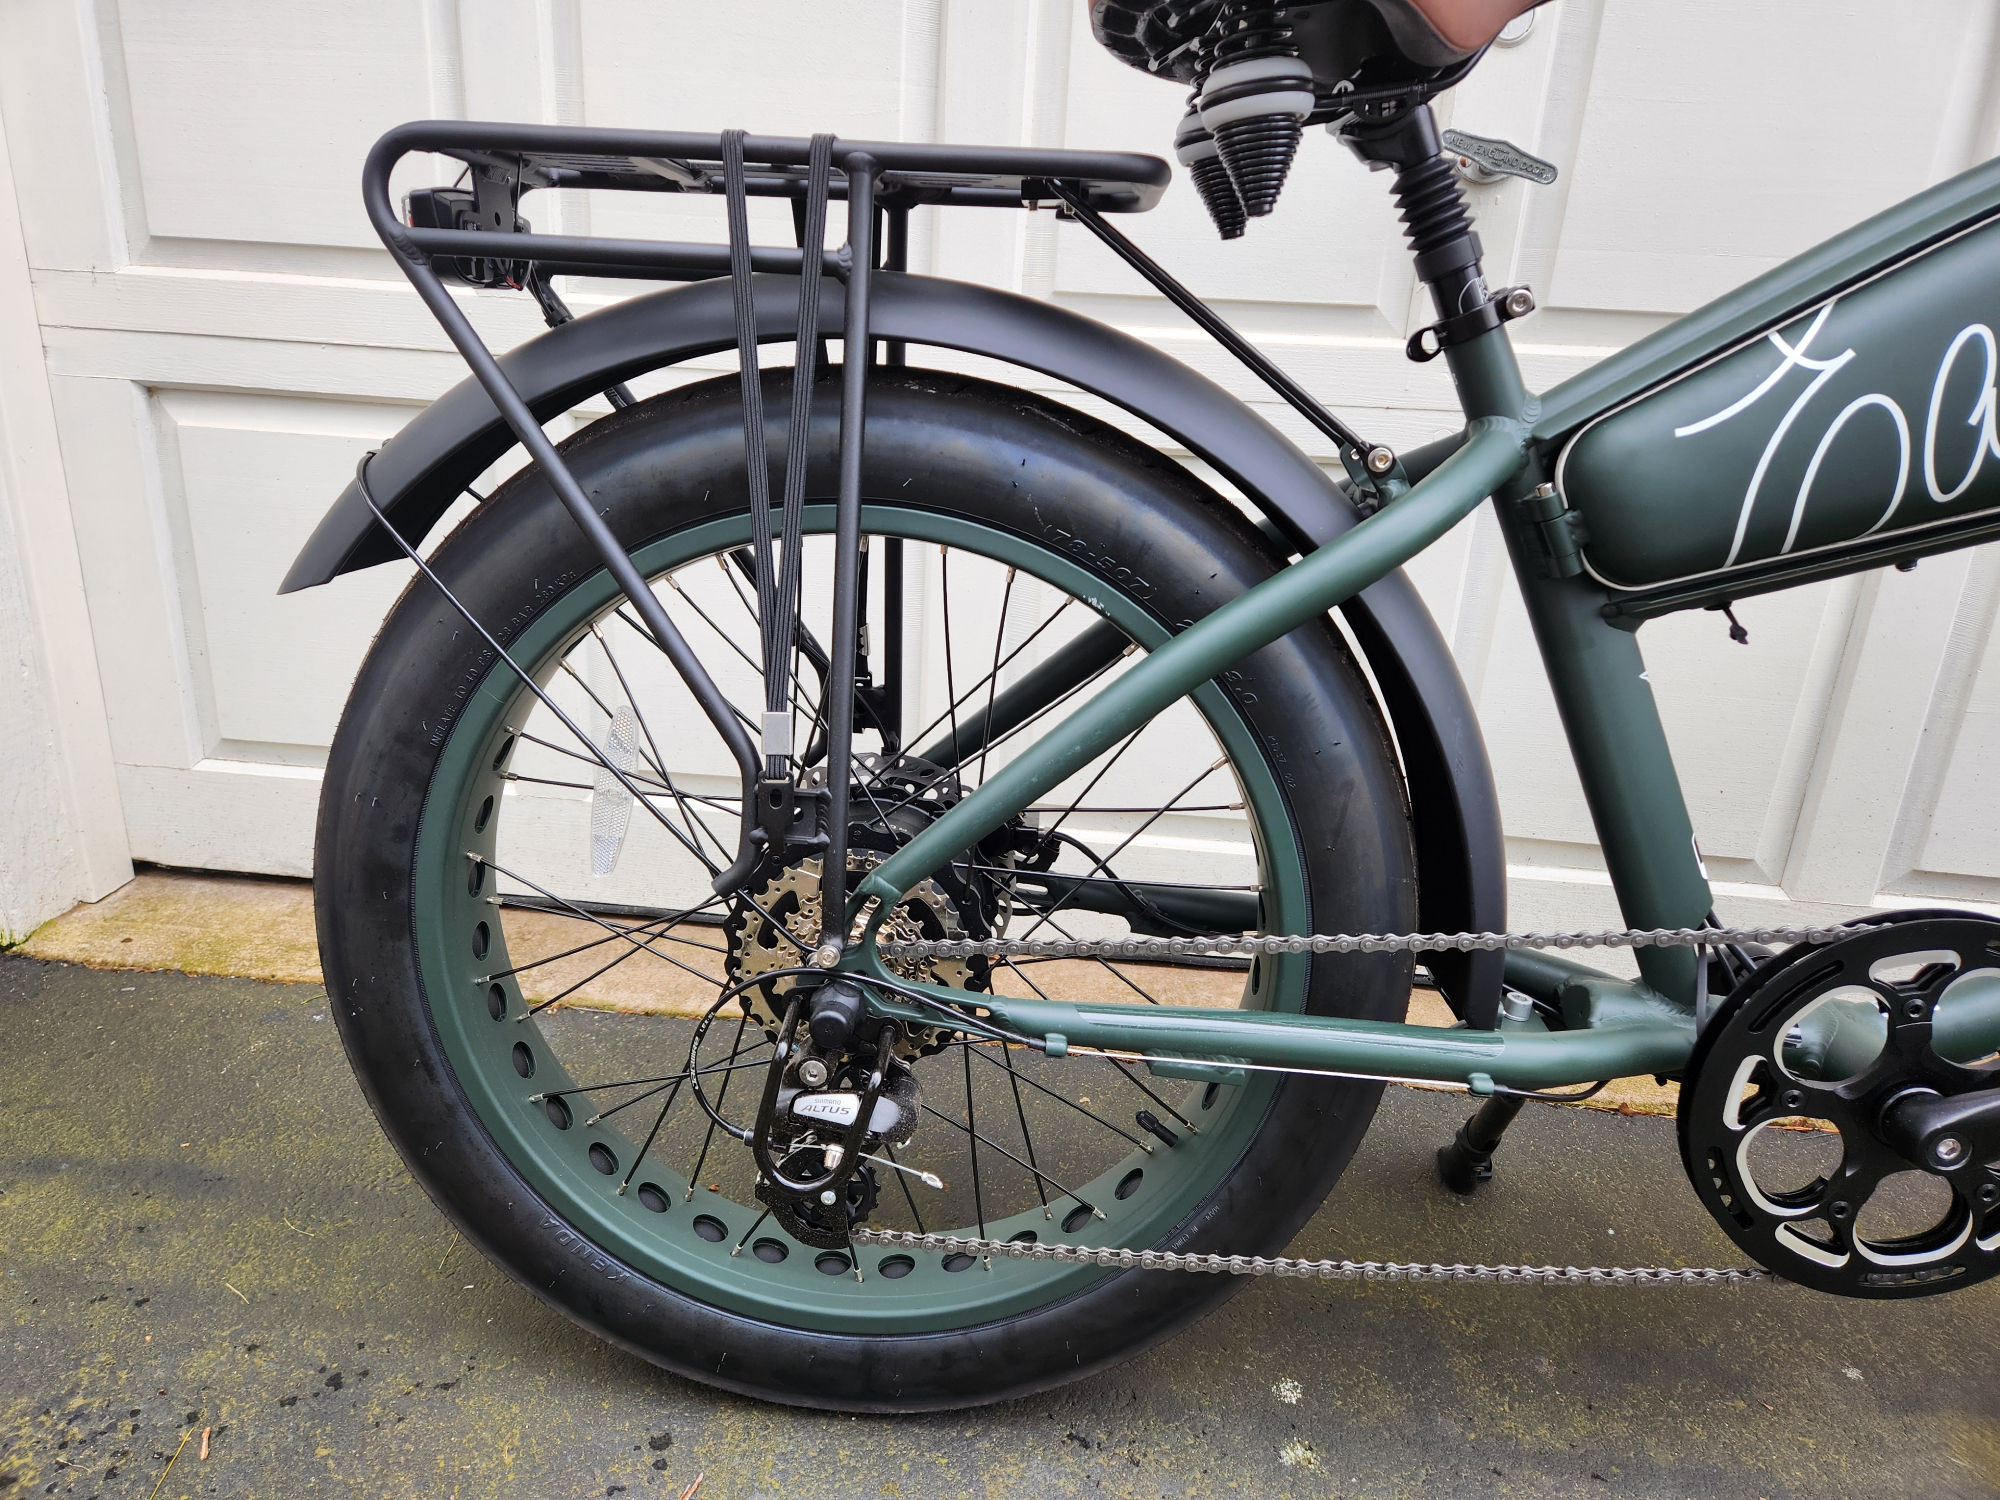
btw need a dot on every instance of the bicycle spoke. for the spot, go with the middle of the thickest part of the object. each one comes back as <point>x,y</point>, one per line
<point>971,1125</point>
<point>590,917</point>
<point>658,1120</point>
<point>1020,1077</point>
<point>903,1180</point>
<point>993,677</point>
<point>994,1145</point>
<point>1106,965</point>
<point>1126,843</point>
<point>721,1098</point>
<point>1021,1114</point>
<point>742,717</point>
<point>1130,1078</point>
<point>657,760</point>
<point>748,1232</point>
<point>973,691</point>
<point>541,1005</point>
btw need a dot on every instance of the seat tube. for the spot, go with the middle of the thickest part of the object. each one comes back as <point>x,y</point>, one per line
<point>1620,748</point>
<point>1595,669</point>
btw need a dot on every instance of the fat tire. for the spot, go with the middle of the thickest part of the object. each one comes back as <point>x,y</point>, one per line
<point>1142,524</point>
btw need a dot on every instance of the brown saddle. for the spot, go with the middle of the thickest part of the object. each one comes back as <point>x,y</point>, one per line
<point>1438,33</point>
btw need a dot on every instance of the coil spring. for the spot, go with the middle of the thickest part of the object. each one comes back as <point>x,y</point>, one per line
<point>1212,183</point>
<point>1431,204</point>
<point>1252,28</point>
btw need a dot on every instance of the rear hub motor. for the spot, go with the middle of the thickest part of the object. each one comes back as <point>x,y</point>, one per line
<point>1841,1114</point>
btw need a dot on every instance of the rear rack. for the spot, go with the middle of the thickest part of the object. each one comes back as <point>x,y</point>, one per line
<point>474,234</point>
<point>506,161</point>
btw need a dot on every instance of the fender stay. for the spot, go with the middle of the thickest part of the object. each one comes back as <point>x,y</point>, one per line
<point>1455,811</point>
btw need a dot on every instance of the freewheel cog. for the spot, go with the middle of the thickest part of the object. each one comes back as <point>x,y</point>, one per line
<point>780,924</point>
<point>1837,1120</point>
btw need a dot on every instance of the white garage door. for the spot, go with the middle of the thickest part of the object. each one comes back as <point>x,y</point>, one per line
<point>223,340</point>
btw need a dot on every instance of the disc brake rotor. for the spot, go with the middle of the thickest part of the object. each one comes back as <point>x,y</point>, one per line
<point>1795,1116</point>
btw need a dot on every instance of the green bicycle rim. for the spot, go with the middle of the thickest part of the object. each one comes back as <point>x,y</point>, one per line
<point>663,1246</point>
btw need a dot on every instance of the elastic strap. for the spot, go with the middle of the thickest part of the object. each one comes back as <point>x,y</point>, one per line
<point>819,176</point>
<point>777,657</point>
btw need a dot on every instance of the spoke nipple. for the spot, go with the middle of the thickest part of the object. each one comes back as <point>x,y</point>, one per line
<point>857,1273</point>
<point>1100,1213</point>
<point>621,1189</point>
<point>593,1119</point>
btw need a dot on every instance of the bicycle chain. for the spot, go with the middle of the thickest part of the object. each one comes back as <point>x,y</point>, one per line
<point>1251,944</point>
<point>1325,1270</point>
<point>1340,1270</point>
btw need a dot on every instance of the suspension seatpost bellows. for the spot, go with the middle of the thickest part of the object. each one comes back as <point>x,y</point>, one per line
<point>1431,203</point>
<point>1255,101</point>
<point>1196,150</point>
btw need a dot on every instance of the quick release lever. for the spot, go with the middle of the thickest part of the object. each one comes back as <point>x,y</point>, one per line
<point>1483,159</point>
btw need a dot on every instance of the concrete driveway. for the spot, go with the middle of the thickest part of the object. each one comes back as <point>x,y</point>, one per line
<point>201,1228</point>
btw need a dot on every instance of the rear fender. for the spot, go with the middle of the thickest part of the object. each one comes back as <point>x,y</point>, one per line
<point>1461,859</point>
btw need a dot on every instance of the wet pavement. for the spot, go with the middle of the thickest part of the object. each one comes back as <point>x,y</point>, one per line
<point>202,1228</point>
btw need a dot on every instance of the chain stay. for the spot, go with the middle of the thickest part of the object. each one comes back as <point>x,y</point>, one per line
<point>1324,1270</point>
<point>1340,1270</point>
<point>1251,944</point>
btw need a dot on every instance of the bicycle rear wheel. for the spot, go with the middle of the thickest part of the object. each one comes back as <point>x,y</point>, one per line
<point>517,945</point>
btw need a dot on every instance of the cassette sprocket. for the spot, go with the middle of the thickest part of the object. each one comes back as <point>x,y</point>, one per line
<point>791,899</point>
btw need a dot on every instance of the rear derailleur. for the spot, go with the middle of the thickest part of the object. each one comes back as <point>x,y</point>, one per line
<point>831,1100</point>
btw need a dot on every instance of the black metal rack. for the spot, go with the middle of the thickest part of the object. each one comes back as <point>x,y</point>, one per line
<point>506,161</point>
<point>479,235</point>
<point>476,234</point>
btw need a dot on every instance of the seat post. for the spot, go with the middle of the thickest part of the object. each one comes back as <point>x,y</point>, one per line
<point>1438,224</point>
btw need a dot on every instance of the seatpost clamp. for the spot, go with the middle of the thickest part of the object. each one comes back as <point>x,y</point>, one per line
<point>1428,342</point>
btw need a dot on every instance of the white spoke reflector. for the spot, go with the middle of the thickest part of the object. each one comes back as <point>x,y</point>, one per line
<point>610,803</point>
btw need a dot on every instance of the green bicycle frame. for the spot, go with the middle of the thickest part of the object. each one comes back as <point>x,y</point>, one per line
<point>1722,457</point>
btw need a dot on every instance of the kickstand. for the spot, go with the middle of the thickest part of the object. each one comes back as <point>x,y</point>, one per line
<point>1468,1160</point>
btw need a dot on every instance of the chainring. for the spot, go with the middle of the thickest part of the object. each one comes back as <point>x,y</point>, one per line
<point>1831,1035</point>
<point>791,899</point>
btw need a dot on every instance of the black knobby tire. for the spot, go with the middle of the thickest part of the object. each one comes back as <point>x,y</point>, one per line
<point>1012,462</point>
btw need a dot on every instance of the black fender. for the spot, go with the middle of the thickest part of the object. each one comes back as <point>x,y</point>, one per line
<point>1455,812</point>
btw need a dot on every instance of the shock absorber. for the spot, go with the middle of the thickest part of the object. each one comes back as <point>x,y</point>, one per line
<point>1196,149</point>
<point>1431,204</point>
<point>1256,99</point>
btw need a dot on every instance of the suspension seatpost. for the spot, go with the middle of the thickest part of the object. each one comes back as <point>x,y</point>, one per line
<point>1438,224</point>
